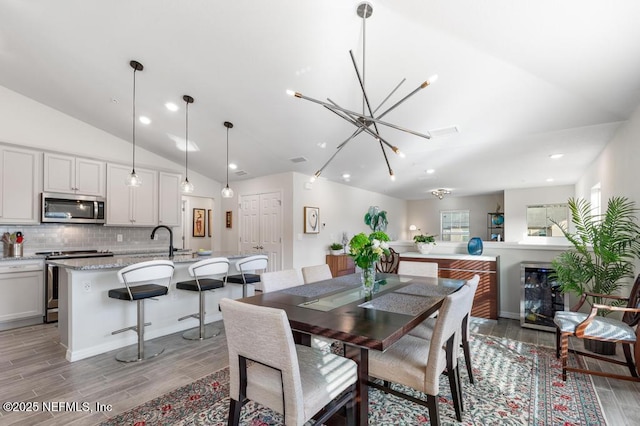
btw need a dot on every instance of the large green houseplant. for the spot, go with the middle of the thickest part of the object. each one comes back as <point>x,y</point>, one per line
<point>605,247</point>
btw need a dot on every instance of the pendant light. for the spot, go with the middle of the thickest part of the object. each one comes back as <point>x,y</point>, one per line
<point>226,191</point>
<point>187,187</point>
<point>133,179</point>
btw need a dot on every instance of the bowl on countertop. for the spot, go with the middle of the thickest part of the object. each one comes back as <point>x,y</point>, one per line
<point>204,252</point>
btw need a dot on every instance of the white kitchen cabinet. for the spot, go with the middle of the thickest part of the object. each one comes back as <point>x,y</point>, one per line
<point>128,205</point>
<point>20,178</point>
<point>169,199</point>
<point>22,289</point>
<point>74,175</point>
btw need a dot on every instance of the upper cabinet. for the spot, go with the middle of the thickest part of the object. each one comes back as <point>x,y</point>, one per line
<point>20,178</point>
<point>74,175</point>
<point>128,205</point>
<point>169,197</point>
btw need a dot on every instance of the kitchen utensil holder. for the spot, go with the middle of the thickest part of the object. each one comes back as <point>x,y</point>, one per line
<point>12,250</point>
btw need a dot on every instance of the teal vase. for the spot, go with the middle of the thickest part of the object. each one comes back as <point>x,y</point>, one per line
<point>474,247</point>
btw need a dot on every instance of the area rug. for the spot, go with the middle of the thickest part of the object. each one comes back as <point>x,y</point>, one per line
<point>516,384</point>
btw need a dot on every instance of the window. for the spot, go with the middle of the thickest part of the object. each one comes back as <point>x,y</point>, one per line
<point>596,202</point>
<point>454,225</point>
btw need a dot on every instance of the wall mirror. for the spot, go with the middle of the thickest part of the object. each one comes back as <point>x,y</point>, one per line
<point>539,219</point>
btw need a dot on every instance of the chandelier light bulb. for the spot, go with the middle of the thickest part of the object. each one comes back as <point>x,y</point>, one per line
<point>227,192</point>
<point>187,187</point>
<point>133,179</point>
<point>432,79</point>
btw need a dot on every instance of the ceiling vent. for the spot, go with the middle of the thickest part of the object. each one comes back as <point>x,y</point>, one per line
<point>444,131</point>
<point>240,173</point>
<point>298,160</point>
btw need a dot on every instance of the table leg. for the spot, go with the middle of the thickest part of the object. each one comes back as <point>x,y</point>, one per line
<point>361,356</point>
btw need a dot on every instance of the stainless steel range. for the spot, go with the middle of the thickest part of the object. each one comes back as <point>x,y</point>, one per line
<point>51,276</point>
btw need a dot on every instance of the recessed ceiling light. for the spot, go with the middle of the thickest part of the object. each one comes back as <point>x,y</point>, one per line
<point>549,179</point>
<point>322,144</point>
<point>233,166</point>
<point>145,120</point>
<point>431,171</point>
<point>556,156</point>
<point>171,106</point>
<point>346,176</point>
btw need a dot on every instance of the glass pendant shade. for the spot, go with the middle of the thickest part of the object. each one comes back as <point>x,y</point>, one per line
<point>227,192</point>
<point>133,179</point>
<point>187,187</point>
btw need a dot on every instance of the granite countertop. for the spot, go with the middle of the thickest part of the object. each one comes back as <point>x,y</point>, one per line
<point>117,262</point>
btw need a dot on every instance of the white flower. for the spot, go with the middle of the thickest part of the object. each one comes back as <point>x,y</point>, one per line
<point>384,245</point>
<point>375,243</point>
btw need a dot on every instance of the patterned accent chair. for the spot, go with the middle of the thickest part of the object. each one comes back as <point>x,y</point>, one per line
<point>605,329</point>
<point>389,264</point>
<point>267,367</point>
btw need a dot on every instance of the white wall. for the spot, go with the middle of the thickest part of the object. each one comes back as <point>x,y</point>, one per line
<point>515,211</point>
<point>425,214</point>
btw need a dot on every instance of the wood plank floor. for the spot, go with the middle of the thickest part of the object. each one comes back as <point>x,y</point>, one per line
<point>33,369</point>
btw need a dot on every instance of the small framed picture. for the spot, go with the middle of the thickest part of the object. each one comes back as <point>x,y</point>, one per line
<point>209,222</point>
<point>311,220</point>
<point>198,222</point>
<point>228,219</point>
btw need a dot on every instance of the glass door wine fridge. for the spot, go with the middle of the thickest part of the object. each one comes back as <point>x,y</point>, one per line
<point>541,296</point>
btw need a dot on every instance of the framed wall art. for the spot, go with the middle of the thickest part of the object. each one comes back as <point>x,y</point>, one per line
<point>228,219</point>
<point>209,222</point>
<point>198,222</point>
<point>311,220</point>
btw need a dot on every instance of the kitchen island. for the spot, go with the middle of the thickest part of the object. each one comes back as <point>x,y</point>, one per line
<point>87,315</point>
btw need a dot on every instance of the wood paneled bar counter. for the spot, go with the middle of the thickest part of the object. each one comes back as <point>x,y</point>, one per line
<point>464,267</point>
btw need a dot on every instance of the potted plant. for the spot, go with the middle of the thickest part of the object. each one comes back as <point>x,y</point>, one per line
<point>605,247</point>
<point>424,243</point>
<point>336,249</point>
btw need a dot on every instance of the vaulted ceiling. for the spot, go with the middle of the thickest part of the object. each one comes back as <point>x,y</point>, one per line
<point>519,80</point>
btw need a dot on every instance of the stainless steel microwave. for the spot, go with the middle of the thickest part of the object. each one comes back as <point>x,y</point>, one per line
<point>70,208</point>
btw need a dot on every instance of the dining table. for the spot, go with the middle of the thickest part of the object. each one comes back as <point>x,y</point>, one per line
<point>340,309</point>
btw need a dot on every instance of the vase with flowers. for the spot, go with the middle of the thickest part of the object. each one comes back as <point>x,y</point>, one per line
<point>366,251</point>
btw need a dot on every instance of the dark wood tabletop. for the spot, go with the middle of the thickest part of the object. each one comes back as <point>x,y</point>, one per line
<point>338,309</point>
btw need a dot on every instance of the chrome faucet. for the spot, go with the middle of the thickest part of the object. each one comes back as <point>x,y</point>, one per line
<point>153,234</point>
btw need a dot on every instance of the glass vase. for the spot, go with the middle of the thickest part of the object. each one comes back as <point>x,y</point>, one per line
<point>368,278</point>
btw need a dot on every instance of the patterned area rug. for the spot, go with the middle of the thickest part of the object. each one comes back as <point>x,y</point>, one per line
<point>516,384</point>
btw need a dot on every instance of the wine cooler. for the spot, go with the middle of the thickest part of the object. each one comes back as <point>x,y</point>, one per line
<point>541,296</point>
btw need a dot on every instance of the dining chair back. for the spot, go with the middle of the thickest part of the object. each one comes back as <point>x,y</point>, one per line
<point>421,269</point>
<point>279,280</point>
<point>418,363</point>
<point>311,274</point>
<point>267,367</point>
<point>389,263</point>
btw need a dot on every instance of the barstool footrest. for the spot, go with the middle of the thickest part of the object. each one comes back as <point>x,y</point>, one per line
<point>196,316</point>
<point>133,328</point>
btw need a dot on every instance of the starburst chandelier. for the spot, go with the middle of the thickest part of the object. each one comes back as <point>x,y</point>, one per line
<point>368,120</point>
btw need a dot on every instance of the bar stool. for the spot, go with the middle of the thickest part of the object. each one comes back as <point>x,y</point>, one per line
<point>139,272</point>
<point>251,263</point>
<point>198,270</point>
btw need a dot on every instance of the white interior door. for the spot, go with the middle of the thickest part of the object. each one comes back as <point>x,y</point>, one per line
<point>261,226</point>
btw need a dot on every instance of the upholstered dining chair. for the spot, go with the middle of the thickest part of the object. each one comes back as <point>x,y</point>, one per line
<point>421,269</point>
<point>389,264</point>
<point>254,263</point>
<point>605,329</point>
<point>267,367</point>
<point>425,329</point>
<point>418,363</point>
<point>311,274</point>
<point>279,280</point>
<point>287,278</point>
<point>199,271</point>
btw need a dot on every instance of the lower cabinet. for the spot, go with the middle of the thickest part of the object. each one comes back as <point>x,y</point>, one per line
<point>485,303</point>
<point>22,289</point>
<point>341,264</point>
